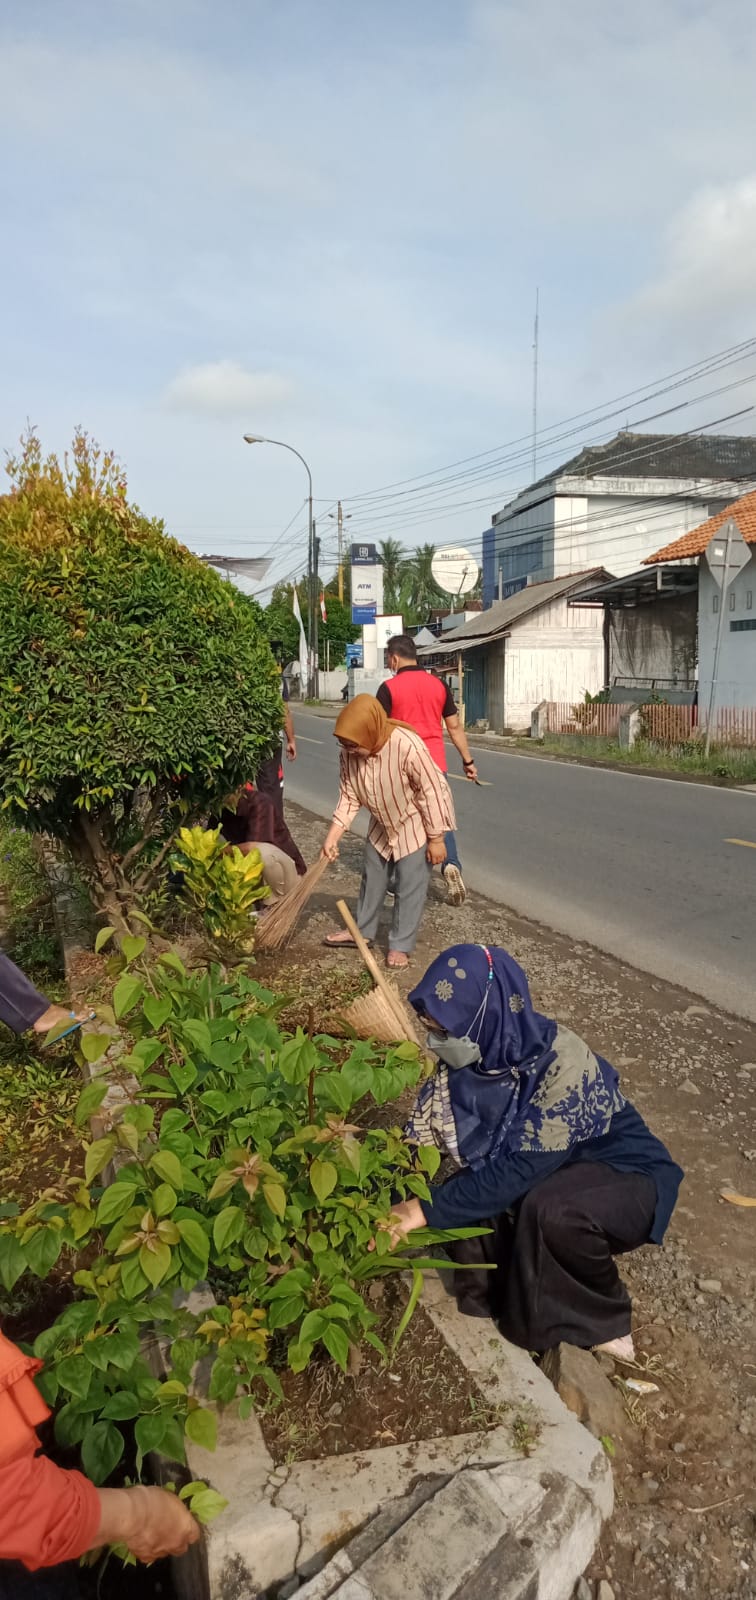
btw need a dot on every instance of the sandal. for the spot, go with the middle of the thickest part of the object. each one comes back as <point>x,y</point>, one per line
<point>343,941</point>
<point>397,960</point>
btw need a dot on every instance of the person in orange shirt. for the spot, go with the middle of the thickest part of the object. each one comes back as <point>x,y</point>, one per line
<point>49,1516</point>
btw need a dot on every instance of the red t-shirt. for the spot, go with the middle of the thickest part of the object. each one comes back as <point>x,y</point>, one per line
<point>419,698</point>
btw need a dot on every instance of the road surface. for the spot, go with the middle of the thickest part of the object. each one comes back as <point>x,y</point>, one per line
<point>655,871</point>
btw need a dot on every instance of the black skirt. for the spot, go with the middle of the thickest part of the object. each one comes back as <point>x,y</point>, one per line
<point>555,1277</point>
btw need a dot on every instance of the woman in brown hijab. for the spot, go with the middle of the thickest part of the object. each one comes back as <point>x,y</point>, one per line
<point>385,767</point>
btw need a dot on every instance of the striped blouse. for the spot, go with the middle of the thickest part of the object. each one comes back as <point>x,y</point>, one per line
<point>409,800</point>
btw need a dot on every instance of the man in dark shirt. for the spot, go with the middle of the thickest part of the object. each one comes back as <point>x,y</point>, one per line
<point>420,699</point>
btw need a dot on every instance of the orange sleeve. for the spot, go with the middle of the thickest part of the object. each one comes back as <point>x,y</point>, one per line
<point>46,1515</point>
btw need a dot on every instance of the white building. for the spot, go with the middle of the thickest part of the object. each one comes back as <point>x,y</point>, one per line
<point>736,672</point>
<point>613,504</point>
<point>533,646</point>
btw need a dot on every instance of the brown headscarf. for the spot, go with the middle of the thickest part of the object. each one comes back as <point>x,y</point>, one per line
<point>364,721</point>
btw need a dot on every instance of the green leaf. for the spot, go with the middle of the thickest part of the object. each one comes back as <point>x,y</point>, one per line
<point>115,1201</point>
<point>358,1075</point>
<point>122,1349</point>
<point>194,1237</point>
<point>71,1424</point>
<point>102,938</point>
<point>168,1167</point>
<point>313,1327</point>
<point>298,1355</point>
<point>228,1227</point>
<point>334,1089</point>
<point>207,1504</point>
<point>98,1155</point>
<point>121,1407</point>
<point>198,1035</point>
<point>170,959</point>
<point>133,1280</point>
<point>224,1382</point>
<point>282,1312</point>
<point>42,1251</point>
<point>128,991</point>
<point>324,1178</point>
<point>155,1262</point>
<point>201,1427</point>
<point>297,1058</point>
<point>411,1306</point>
<point>94,1045</point>
<point>430,1159</point>
<point>337,1344</point>
<point>89,1101</point>
<point>157,1011</point>
<point>74,1373</point>
<point>183,1074</point>
<point>223,1184</point>
<point>101,1450</point>
<point>12,1261</point>
<point>133,945</point>
<point>9,1208</point>
<point>150,1431</point>
<point>164,1200</point>
<point>275,1194</point>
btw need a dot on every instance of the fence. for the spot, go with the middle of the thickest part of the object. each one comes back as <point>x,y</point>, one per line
<point>732,726</point>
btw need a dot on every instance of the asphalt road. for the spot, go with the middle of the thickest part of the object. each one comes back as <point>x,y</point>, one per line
<point>657,872</point>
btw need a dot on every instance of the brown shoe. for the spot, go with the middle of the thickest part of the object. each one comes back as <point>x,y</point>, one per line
<point>456,893</point>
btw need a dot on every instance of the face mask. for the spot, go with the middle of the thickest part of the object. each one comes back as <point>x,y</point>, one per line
<point>453,1052</point>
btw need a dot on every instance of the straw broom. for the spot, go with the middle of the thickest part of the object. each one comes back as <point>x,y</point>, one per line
<point>277,925</point>
<point>381,1014</point>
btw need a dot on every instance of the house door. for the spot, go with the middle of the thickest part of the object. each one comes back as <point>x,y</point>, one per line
<point>475,686</point>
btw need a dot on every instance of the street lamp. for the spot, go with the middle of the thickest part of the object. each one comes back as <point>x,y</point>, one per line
<point>312,685</point>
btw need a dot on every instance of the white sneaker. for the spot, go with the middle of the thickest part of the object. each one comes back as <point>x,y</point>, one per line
<point>456,893</point>
<point>621,1349</point>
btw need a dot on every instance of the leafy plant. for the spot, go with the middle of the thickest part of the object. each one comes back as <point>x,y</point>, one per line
<point>136,688</point>
<point>242,1163</point>
<point>220,882</point>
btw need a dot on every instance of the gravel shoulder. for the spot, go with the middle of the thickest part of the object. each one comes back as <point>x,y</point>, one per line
<point>685,1523</point>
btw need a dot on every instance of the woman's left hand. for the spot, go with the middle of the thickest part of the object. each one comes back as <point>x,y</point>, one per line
<point>403,1219</point>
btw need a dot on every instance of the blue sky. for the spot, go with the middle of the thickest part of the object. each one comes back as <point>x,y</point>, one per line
<point>326,220</point>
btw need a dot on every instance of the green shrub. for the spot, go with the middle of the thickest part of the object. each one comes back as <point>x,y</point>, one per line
<point>136,687</point>
<point>257,1176</point>
<point>221,883</point>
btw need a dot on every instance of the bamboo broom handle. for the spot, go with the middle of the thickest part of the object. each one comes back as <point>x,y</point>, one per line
<point>372,965</point>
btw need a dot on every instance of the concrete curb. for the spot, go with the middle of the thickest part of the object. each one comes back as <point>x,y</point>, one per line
<point>397,1521</point>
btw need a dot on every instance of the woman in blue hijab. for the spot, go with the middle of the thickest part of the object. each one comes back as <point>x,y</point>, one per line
<point>547,1151</point>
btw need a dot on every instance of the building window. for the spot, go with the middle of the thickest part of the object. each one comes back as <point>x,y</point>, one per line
<point>732,600</point>
<point>749,599</point>
<point>519,560</point>
<point>744,627</point>
<point>715,604</point>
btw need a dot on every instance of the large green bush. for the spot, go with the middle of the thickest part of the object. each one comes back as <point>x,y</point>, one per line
<point>137,688</point>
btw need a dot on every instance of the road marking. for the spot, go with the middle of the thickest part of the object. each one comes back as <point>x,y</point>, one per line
<point>748,844</point>
<point>306,740</point>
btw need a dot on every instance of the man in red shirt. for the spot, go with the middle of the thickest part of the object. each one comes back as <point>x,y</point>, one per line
<point>420,699</point>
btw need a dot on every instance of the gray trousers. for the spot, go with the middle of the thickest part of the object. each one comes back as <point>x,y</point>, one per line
<point>410,878</point>
<point>21,1005</point>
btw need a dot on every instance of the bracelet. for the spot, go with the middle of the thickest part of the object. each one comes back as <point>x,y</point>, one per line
<point>469,763</point>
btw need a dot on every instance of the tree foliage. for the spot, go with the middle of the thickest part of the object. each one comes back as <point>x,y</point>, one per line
<point>136,688</point>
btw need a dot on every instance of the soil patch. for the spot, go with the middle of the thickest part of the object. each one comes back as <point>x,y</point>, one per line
<point>424,1393</point>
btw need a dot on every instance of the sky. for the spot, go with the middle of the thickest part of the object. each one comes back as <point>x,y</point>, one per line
<point>325,221</point>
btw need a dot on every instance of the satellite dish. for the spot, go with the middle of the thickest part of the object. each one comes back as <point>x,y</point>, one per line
<point>454,569</point>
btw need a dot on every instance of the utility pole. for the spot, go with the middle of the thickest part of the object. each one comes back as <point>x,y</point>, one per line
<point>340,515</point>
<point>315,614</point>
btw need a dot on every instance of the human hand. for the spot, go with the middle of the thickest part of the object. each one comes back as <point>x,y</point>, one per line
<point>471,771</point>
<point>150,1522</point>
<point>291,749</point>
<point>436,852</point>
<point>404,1218</point>
<point>330,850</point>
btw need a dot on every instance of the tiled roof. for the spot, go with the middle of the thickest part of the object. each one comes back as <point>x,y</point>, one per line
<point>662,455</point>
<point>742,511</point>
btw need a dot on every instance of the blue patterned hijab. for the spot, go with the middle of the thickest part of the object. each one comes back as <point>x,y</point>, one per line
<point>536,1087</point>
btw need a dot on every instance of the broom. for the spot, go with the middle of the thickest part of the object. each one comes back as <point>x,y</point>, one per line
<point>277,925</point>
<point>381,1014</point>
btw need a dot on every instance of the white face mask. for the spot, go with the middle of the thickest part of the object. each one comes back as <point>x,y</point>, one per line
<point>453,1052</point>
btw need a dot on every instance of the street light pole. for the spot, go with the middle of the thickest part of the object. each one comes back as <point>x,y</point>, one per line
<point>312,673</point>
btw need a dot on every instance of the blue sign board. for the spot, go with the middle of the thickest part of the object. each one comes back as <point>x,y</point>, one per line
<point>354,654</point>
<point>513,586</point>
<point>364,613</point>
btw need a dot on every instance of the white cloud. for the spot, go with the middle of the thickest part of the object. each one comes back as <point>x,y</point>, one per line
<point>225,389</point>
<point>708,258</point>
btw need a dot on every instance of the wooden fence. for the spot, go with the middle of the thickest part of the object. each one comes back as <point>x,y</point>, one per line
<point>732,726</point>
